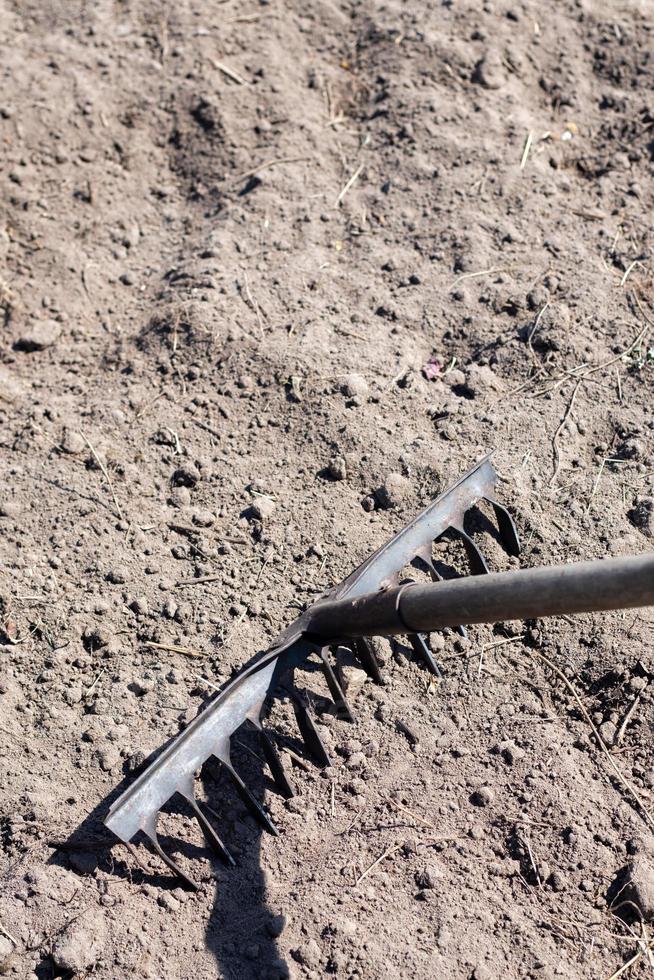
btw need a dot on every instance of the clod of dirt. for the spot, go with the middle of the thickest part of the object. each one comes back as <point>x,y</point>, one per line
<point>355,386</point>
<point>483,796</point>
<point>185,476</point>
<point>72,442</point>
<point>337,468</point>
<point>39,335</point>
<point>80,945</point>
<point>353,680</point>
<point>10,509</point>
<point>490,72</point>
<point>263,507</point>
<point>117,575</point>
<point>393,491</point>
<point>633,891</point>
<point>10,387</point>
<point>641,515</point>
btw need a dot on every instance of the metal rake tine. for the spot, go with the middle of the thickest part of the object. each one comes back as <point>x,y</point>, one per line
<point>310,734</point>
<point>253,805</point>
<point>168,861</point>
<point>365,654</point>
<point>478,564</point>
<point>421,649</point>
<point>276,765</point>
<point>508,530</point>
<point>335,689</point>
<point>210,834</point>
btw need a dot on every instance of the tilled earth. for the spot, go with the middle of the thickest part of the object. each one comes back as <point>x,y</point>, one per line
<point>271,275</point>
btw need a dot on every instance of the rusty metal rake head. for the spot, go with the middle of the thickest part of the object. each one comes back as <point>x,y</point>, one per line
<point>248,696</point>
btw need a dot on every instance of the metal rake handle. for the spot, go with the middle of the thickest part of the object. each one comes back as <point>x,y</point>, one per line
<point>587,586</point>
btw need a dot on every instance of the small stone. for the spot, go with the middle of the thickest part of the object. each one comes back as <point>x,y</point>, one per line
<point>203,518</point>
<point>117,575</point>
<point>109,759</point>
<point>186,476</point>
<point>638,886</point>
<point>490,72</point>
<point>309,954</point>
<point>641,515</point>
<point>180,497</point>
<point>139,606</point>
<point>84,862</point>
<point>429,876</point>
<point>337,469</point>
<point>263,508</point>
<point>10,509</point>
<point>393,491</point>
<point>483,796</point>
<point>39,335</point>
<point>558,881</point>
<point>80,946</point>
<point>127,278</point>
<point>275,925</point>
<point>72,442</point>
<point>169,608</point>
<point>136,761</point>
<point>353,679</point>
<point>368,503</point>
<point>608,732</point>
<point>355,386</point>
<point>11,389</point>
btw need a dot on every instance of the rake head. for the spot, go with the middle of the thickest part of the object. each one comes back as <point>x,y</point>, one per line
<point>248,697</point>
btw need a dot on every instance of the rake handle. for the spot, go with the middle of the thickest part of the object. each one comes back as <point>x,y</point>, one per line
<point>588,586</point>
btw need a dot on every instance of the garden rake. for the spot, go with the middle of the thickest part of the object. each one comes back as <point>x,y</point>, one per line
<point>372,601</point>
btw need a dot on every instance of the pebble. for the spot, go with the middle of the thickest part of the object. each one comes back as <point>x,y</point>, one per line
<point>180,497</point>
<point>638,878</point>
<point>72,442</point>
<point>263,508</point>
<point>10,509</point>
<point>337,468</point>
<point>80,946</point>
<point>490,72</point>
<point>483,796</point>
<point>368,503</point>
<point>393,491</point>
<point>641,515</point>
<point>429,876</point>
<point>203,518</point>
<point>275,925</point>
<point>117,575</point>
<point>11,388</point>
<point>186,476</point>
<point>353,679</point>
<point>355,386</point>
<point>39,335</point>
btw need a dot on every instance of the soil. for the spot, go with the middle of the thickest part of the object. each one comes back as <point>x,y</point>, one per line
<point>271,276</point>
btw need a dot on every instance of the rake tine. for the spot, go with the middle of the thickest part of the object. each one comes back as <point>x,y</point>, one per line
<point>275,765</point>
<point>253,805</point>
<point>210,834</point>
<point>421,649</point>
<point>310,734</point>
<point>167,860</point>
<point>478,565</point>
<point>507,528</point>
<point>335,689</point>
<point>363,650</point>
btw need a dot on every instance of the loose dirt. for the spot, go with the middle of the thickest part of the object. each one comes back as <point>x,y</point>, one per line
<point>271,275</point>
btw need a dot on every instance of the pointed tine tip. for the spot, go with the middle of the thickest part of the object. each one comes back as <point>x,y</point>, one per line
<point>211,835</point>
<point>335,688</point>
<point>174,867</point>
<point>365,654</point>
<point>421,648</point>
<point>508,531</point>
<point>311,735</point>
<point>253,805</point>
<point>276,765</point>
